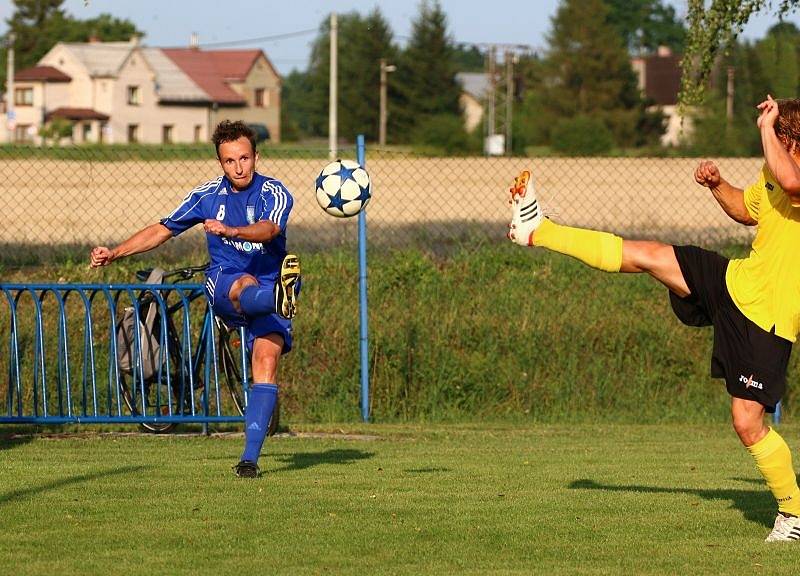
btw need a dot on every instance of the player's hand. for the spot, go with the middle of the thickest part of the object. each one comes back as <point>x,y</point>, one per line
<point>769,112</point>
<point>217,228</point>
<point>707,174</point>
<point>100,256</point>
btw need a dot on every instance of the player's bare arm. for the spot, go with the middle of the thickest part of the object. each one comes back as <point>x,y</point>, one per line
<point>779,159</point>
<point>146,239</point>
<point>263,231</point>
<point>729,197</point>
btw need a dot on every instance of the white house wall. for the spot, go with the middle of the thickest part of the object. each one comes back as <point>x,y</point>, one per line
<point>261,76</point>
<point>149,115</point>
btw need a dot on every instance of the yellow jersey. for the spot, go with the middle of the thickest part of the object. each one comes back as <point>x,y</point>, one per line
<point>765,286</point>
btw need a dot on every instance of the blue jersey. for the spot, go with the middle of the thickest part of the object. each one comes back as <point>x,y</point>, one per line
<point>264,199</point>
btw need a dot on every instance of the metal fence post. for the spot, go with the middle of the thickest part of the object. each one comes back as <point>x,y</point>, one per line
<point>362,291</point>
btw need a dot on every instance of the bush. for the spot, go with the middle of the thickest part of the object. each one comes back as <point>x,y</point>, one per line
<point>582,136</point>
<point>445,132</point>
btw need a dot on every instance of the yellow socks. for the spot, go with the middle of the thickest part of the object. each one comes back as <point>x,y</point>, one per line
<point>774,461</point>
<point>600,250</point>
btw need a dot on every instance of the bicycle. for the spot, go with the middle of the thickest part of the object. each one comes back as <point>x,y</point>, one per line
<point>176,383</point>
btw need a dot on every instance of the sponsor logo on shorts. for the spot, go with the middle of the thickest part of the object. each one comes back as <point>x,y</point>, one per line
<point>750,383</point>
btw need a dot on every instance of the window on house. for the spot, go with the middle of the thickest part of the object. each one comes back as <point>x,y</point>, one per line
<point>198,132</point>
<point>23,134</point>
<point>86,131</point>
<point>166,133</point>
<point>23,96</point>
<point>259,98</point>
<point>134,96</point>
<point>133,133</point>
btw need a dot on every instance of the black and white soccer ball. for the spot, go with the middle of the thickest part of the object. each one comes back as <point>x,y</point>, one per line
<point>343,188</point>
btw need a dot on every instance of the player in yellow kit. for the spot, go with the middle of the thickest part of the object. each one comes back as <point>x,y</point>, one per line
<point>753,303</point>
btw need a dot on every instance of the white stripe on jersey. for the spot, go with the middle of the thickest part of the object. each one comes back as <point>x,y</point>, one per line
<point>281,200</point>
<point>202,188</point>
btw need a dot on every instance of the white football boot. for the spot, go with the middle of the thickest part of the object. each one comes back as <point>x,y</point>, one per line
<point>526,214</point>
<point>786,529</point>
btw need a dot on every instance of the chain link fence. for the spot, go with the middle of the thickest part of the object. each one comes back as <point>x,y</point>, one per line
<point>79,197</point>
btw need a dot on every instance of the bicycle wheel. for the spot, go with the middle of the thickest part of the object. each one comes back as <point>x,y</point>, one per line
<point>153,399</point>
<point>230,358</point>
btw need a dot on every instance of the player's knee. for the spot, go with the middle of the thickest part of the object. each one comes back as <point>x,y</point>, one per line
<point>651,255</point>
<point>748,427</point>
<point>265,363</point>
<point>240,284</point>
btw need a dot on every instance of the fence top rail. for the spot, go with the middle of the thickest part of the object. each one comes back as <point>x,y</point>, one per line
<point>183,286</point>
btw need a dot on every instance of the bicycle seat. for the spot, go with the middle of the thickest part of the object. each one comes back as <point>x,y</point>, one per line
<point>143,275</point>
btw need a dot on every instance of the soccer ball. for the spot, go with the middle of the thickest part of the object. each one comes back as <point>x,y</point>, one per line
<point>343,188</point>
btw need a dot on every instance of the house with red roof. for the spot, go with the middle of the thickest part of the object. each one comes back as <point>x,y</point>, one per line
<point>121,92</point>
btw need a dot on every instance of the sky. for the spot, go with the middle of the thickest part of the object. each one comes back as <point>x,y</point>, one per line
<point>171,22</point>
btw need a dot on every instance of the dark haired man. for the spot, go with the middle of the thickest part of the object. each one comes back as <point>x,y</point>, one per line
<point>753,303</point>
<point>251,281</point>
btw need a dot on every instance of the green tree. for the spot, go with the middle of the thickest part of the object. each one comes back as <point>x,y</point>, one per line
<point>646,24</point>
<point>714,27</point>
<point>366,41</point>
<point>363,41</point>
<point>425,78</point>
<point>296,110</point>
<point>469,58</point>
<point>39,24</point>
<point>588,72</point>
<point>778,55</point>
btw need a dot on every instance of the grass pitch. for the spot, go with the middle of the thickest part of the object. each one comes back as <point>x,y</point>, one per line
<point>465,499</point>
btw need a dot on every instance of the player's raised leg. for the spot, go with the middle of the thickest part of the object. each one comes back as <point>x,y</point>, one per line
<point>602,250</point>
<point>256,300</point>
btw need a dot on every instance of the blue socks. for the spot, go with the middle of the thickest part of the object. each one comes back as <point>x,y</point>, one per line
<point>256,420</point>
<point>257,300</point>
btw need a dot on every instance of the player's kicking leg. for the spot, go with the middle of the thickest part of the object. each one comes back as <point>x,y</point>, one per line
<point>601,250</point>
<point>280,297</point>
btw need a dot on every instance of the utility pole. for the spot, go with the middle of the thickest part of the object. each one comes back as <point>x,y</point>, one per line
<point>490,114</point>
<point>729,95</point>
<point>385,69</point>
<point>509,58</point>
<point>11,119</point>
<point>333,96</point>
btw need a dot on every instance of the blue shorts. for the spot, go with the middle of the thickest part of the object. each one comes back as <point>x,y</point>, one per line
<point>218,288</point>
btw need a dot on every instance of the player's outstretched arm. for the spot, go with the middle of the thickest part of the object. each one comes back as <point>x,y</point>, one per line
<point>144,240</point>
<point>729,197</point>
<point>780,162</point>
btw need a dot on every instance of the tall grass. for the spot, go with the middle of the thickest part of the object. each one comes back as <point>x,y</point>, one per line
<point>482,332</point>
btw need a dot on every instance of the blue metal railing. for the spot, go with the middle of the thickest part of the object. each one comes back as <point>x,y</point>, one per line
<point>60,353</point>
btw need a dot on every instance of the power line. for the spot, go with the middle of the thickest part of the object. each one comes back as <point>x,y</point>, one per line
<point>259,40</point>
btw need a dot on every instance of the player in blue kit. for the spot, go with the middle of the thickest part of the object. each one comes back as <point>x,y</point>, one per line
<point>251,280</point>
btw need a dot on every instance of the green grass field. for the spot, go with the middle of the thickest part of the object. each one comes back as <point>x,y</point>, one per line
<point>440,499</point>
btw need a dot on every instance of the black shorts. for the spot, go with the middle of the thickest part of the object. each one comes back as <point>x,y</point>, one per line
<point>751,360</point>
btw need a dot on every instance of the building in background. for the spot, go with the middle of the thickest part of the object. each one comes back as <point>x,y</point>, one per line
<point>121,92</point>
<point>474,92</point>
<point>659,78</point>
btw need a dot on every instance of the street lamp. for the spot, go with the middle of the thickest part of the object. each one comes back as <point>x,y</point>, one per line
<point>385,69</point>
